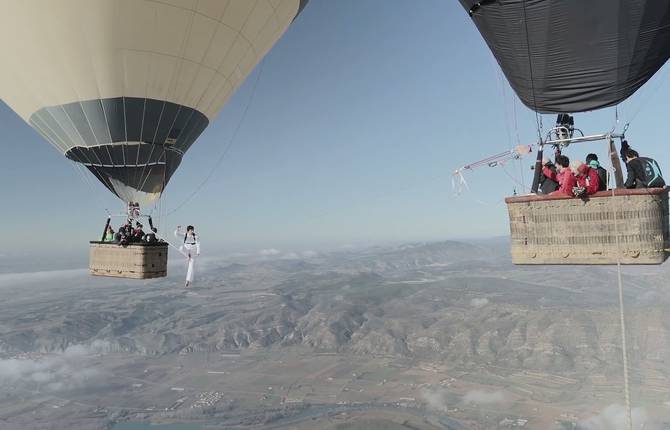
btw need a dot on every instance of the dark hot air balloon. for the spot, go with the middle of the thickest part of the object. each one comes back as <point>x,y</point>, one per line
<point>574,55</point>
<point>566,56</point>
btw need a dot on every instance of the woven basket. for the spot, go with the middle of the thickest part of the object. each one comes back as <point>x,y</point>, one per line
<point>564,230</point>
<point>136,261</point>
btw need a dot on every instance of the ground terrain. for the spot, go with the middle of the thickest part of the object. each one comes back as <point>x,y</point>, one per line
<point>419,336</point>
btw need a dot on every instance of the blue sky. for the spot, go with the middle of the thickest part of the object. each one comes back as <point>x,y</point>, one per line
<point>362,111</point>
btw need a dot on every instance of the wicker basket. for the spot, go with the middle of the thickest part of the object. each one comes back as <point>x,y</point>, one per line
<point>564,230</point>
<point>136,261</point>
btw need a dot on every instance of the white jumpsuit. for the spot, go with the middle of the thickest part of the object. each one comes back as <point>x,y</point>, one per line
<point>191,247</point>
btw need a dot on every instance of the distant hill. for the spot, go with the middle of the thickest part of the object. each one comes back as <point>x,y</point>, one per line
<point>414,256</point>
<point>445,302</point>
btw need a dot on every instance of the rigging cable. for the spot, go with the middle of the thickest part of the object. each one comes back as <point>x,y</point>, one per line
<point>83,174</point>
<point>510,117</point>
<point>538,120</point>
<point>227,148</point>
<point>513,179</point>
<point>622,319</point>
<point>643,103</point>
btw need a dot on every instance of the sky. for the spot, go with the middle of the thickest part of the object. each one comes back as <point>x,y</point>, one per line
<point>359,116</point>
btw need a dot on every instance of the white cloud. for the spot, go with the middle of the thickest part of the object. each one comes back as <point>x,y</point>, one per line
<point>479,303</point>
<point>12,279</point>
<point>482,397</point>
<point>289,255</point>
<point>55,372</point>
<point>41,376</point>
<point>436,399</point>
<point>56,386</point>
<point>613,417</point>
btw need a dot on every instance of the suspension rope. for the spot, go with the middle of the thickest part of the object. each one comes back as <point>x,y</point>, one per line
<point>170,244</point>
<point>513,179</point>
<point>530,68</point>
<point>84,175</point>
<point>648,97</point>
<point>622,319</point>
<point>161,204</point>
<point>624,351</point>
<point>228,146</point>
<point>500,80</point>
<point>509,107</point>
<point>616,117</point>
<point>516,125</point>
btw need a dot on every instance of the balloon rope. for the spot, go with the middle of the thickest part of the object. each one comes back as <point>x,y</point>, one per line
<point>231,142</point>
<point>648,96</point>
<point>84,175</point>
<point>170,244</point>
<point>530,68</point>
<point>622,319</point>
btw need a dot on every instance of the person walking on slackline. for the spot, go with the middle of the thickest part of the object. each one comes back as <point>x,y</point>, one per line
<point>190,247</point>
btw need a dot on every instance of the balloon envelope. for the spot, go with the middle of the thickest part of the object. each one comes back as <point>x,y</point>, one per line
<point>574,55</point>
<point>125,87</point>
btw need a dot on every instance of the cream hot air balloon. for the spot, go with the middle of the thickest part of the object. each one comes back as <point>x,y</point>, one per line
<point>125,87</point>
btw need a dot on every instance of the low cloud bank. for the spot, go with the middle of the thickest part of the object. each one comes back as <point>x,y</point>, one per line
<point>48,276</point>
<point>482,397</point>
<point>287,255</point>
<point>613,417</point>
<point>55,372</point>
<point>479,303</point>
<point>436,399</point>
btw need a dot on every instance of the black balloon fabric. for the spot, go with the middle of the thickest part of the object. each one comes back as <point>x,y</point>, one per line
<point>574,55</point>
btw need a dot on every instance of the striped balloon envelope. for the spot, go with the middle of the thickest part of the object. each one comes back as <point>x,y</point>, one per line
<point>125,87</point>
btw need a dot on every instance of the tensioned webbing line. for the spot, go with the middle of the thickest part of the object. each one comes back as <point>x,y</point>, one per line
<point>170,244</point>
<point>242,118</point>
<point>622,319</point>
<point>647,98</point>
<point>227,148</point>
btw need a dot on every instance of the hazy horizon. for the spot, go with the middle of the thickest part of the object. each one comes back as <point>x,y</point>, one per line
<point>352,134</point>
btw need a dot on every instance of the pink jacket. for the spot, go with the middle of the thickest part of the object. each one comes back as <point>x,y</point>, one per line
<point>589,179</point>
<point>566,181</point>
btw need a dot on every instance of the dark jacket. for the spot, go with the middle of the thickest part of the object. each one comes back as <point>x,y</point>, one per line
<point>643,172</point>
<point>546,184</point>
<point>602,175</point>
